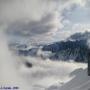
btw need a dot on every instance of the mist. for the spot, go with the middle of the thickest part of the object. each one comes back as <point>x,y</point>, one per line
<point>43,73</point>
<point>9,75</point>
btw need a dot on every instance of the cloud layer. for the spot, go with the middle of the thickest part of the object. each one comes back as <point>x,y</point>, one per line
<point>40,20</point>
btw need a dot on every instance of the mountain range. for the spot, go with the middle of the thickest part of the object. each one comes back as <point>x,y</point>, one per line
<point>75,48</point>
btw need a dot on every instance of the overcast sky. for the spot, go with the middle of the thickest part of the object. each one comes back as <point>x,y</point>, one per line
<point>44,20</point>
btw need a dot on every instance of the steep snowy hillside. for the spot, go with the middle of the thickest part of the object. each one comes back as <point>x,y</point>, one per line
<point>80,81</point>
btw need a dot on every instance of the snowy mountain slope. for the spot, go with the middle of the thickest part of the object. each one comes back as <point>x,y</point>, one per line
<point>63,50</point>
<point>74,48</point>
<point>80,81</point>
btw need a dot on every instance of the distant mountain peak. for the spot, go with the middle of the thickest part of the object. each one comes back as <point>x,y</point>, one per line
<point>80,36</point>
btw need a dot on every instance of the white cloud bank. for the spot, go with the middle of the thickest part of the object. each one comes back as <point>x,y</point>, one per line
<point>40,19</point>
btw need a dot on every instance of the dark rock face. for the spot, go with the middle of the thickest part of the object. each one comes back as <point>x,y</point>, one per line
<point>75,48</point>
<point>68,50</point>
<point>28,64</point>
<point>63,50</point>
<point>89,64</point>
